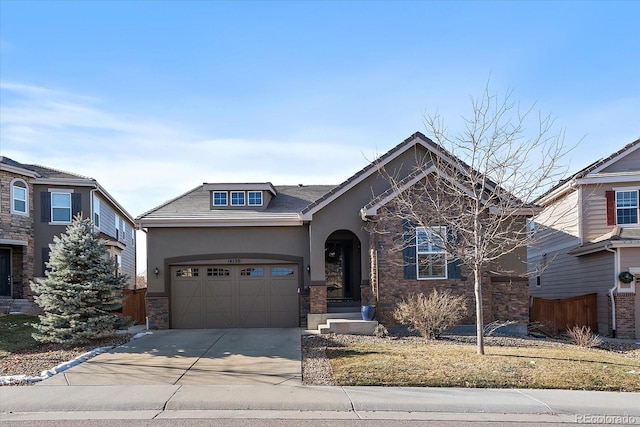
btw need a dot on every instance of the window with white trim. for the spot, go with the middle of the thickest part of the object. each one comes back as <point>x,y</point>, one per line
<point>627,207</point>
<point>237,198</point>
<point>431,256</point>
<point>118,232</point>
<point>19,200</point>
<point>60,207</point>
<point>254,198</point>
<point>220,198</point>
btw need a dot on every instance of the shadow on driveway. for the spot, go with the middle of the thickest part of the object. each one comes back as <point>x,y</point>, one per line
<point>196,357</point>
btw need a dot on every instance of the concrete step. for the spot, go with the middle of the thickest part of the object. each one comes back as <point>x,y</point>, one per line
<point>315,320</point>
<point>348,326</point>
<point>18,306</point>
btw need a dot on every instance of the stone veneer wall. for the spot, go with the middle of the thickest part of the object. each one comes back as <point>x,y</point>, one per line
<point>625,315</point>
<point>304,302</point>
<point>503,298</point>
<point>18,227</point>
<point>157,312</point>
<point>318,297</point>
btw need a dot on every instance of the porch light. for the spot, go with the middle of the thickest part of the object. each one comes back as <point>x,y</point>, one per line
<point>156,271</point>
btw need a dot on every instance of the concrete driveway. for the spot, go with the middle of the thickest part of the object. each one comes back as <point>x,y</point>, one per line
<point>195,357</point>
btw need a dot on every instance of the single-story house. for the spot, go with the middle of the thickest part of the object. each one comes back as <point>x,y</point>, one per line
<point>260,255</point>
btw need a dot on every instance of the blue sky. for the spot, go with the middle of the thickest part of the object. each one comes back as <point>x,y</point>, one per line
<point>155,98</point>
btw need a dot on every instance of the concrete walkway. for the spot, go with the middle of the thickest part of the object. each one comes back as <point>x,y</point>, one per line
<point>300,402</point>
<point>256,373</point>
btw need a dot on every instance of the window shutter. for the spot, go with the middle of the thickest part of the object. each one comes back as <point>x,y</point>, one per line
<point>45,206</point>
<point>409,250</point>
<point>453,267</point>
<point>611,207</point>
<point>76,204</point>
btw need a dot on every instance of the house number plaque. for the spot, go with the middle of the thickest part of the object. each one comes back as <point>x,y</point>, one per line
<point>233,261</point>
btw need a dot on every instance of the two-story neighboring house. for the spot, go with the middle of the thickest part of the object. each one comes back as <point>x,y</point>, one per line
<point>591,228</point>
<point>38,203</point>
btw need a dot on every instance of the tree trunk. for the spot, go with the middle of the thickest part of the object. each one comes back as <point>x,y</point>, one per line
<point>477,288</point>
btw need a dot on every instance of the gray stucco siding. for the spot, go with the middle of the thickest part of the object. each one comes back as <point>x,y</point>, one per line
<point>208,242</point>
<point>343,213</point>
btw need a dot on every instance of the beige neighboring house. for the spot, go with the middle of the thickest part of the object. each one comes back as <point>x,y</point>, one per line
<point>591,224</point>
<point>38,203</point>
<point>260,255</point>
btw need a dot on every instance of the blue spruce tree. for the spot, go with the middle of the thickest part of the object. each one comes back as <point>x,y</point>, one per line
<point>81,290</point>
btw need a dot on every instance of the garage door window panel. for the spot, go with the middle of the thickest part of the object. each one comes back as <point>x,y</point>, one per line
<point>281,271</point>
<point>187,272</point>
<point>218,272</point>
<point>252,272</point>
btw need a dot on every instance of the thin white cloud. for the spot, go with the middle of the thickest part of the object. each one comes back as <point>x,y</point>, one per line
<point>144,162</point>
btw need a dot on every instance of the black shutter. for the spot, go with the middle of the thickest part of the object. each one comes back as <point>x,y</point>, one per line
<point>409,250</point>
<point>45,206</point>
<point>76,204</point>
<point>453,267</point>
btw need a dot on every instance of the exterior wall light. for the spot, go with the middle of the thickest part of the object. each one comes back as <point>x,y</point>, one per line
<point>156,271</point>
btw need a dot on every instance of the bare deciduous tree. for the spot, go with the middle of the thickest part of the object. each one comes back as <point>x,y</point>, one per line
<point>472,192</point>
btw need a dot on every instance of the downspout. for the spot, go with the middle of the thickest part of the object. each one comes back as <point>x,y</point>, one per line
<point>615,286</point>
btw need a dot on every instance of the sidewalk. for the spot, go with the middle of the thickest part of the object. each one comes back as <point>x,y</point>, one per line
<point>306,402</point>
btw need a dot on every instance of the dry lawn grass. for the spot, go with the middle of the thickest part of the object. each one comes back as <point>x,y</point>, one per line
<point>457,365</point>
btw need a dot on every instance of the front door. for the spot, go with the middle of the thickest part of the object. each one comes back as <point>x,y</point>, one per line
<point>5,273</point>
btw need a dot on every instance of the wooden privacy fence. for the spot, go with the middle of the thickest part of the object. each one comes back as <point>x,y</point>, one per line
<point>561,314</point>
<point>133,305</point>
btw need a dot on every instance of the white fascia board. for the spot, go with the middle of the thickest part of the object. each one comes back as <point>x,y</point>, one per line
<point>610,178</point>
<point>205,222</point>
<point>557,193</point>
<point>598,247</point>
<point>373,210</point>
<point>308,216</point>
<point>615,159</point>
<point>21,171</point>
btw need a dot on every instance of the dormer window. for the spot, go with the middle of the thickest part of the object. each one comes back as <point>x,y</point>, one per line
<point>237,198</point>
<point>255,198</point>
<point>233,196</point>
<point>220,198</point>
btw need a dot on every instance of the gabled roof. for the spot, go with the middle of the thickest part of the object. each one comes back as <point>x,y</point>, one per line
<point>193,208</point>
<point>373,168</point>
<point>47,175</point>
<point>595,167</point>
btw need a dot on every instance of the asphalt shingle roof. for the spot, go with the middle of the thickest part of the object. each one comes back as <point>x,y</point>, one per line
<point>290,199</point>
<point>43,171</point>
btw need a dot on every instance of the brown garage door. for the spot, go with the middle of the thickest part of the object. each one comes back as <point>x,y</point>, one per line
<point>235,296</point>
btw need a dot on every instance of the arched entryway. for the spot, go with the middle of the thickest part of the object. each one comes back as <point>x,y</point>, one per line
<point>342,270</point>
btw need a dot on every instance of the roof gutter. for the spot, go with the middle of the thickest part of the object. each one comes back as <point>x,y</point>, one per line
<point>615,286</point>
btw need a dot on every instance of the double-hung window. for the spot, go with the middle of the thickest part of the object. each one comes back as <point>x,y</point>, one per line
<point>19,197</point>
<point>237,198</point>
<point>627,207</point>
<point>431,256</point>
<point>60,207</point>
<point>255,198</point>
